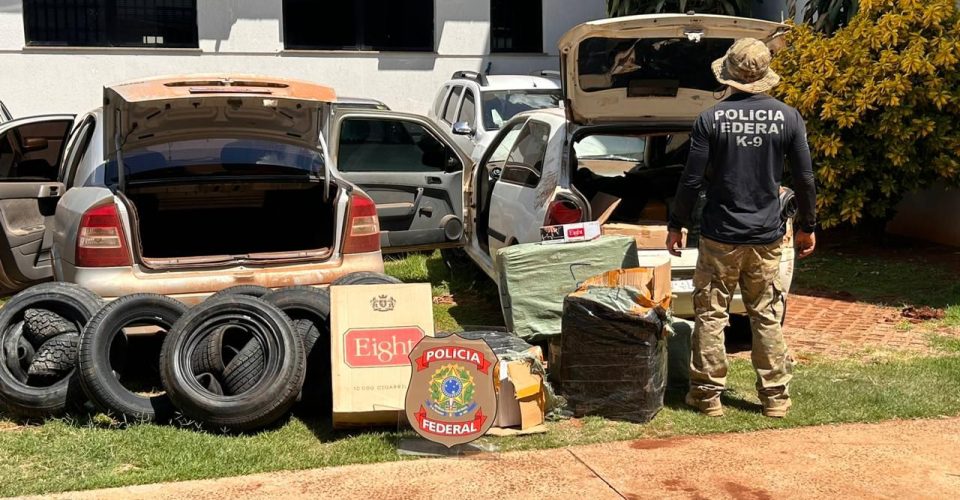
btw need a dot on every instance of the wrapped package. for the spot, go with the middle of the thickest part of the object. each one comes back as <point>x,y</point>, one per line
<point>614,353</point>
<point>535,278</point>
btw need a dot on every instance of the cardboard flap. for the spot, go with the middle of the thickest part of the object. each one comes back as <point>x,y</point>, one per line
<point>525,383</point>
<point>602,206</point>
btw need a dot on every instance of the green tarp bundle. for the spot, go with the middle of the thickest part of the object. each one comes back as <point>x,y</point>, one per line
<point>535,278</point>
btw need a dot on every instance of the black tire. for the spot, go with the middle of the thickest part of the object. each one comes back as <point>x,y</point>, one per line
<point>55,359</point>
<point>248,290</point>
<point>366,278</point>
<point>309,308</point>
<point>99,377</point>
<point>243,372</point>
<point>275,390</point>
<point>41,325</point>
<point>77,305</point>
<point>208,356</point>
<point>17,352</point>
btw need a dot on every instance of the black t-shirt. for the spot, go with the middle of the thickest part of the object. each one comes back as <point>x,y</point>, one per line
<point>744,141</point>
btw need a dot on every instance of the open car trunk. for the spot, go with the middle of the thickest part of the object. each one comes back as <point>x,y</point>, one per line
<point>181,223</point>
<point>634,196</point>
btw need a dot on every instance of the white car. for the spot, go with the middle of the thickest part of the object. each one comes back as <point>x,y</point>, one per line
<point>473,106</point>
<point>633,87</point>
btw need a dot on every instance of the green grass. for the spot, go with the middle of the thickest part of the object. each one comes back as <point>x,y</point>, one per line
<point>65,455</point>
<point>882,280</point>
<point>468,299</point>
<point>84,453</point>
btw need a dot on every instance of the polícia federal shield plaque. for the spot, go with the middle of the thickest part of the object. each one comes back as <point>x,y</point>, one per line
<point>451,398</point>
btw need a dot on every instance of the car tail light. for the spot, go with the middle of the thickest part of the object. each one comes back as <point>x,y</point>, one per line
<point>363,229</point>
<point>100,241</point>
<point>563,212</point>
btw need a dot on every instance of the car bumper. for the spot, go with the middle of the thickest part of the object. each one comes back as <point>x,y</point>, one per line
<point>684,266</point>
<point>193,285</point>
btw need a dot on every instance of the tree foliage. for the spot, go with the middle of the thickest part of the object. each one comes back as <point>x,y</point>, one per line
<point>617,8</point>
<point>882,102</point>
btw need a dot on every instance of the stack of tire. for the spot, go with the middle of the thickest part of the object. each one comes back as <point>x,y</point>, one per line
<point>238,361</point>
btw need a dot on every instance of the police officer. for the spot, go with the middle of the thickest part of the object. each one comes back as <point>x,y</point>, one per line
<point>739,146</point>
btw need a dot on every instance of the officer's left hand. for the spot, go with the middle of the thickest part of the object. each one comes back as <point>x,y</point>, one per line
<point>674,242</point>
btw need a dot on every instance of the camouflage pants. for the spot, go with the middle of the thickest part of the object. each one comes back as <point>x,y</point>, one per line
<point>756,268</point>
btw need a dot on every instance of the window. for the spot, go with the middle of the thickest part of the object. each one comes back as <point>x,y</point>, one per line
<point>468,110</point>
<point>389,145</point>
<point>450,112</point>
<point>438,103</point>
<point>500,106</point>
<point>399,25</point>
<point>516,26</point>
<point>525,163</point>
<point>111,23</point>
<point>31,152</point>
<point>75,149</point>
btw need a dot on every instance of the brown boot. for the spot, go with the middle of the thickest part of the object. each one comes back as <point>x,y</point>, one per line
<point>776,408</point>
<point>710,407</point>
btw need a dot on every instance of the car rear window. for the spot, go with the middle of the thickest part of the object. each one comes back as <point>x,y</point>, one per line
<point>218,157</point>
<point>650,66</point>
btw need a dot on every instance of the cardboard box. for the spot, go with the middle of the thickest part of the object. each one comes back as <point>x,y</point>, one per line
<point>654,278</point>
<point>373,329</point>
<point>520,399</point>
<point>649,236</point>
<point>570,233</point>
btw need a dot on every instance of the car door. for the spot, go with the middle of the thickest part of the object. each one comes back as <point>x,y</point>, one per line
<point>516,212</point>
<point>467,114</point>
<point>410,169</point>
<point>30,153</point>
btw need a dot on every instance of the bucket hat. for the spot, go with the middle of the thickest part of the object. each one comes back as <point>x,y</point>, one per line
<point>746,66</point>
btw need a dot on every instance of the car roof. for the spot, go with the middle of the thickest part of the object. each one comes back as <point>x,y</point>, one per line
<point>360,102</point>
<point>515,82</point>
<point>181,86</point>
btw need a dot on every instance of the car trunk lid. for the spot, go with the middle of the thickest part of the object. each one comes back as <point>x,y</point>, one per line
<point>155,111</point>
<point>647,67</point>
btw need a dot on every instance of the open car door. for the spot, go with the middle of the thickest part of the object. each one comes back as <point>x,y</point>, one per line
<point>30,152</point>
<point>410,170</point>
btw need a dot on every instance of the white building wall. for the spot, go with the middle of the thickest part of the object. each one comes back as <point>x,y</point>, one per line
<point>245,36</point>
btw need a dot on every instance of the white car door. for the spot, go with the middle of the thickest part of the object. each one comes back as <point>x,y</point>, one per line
<point>519,199</point>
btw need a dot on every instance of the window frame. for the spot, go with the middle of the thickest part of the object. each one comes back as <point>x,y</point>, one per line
<point>110,31</point>
<point>76,149</point>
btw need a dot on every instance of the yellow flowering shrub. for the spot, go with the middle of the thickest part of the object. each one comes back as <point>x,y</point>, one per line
<point>882,102</point>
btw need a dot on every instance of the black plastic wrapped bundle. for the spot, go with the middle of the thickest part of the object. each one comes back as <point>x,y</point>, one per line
<point>614,354</point>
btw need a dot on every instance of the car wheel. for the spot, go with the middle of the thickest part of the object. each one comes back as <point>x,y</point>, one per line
<point>366,278</point>
<point>270,396</point>
<point>102,348</point>
<point>43,398</point>
<point>249,290</point>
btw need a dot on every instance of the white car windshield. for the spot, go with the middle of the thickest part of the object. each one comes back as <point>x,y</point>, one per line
<point>501,105</point>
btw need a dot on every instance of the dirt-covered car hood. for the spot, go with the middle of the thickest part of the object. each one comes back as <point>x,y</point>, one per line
<point>145,112</point>
<point>650,66</point>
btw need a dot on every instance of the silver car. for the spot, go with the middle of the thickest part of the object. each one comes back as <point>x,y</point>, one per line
<point>182,186</point>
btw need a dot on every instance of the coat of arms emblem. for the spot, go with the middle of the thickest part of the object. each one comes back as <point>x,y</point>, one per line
<point>383,303</point>
<point>451,398</point>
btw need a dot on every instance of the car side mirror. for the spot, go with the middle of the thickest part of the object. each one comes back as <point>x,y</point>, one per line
<point>462,128</point>
<point>31,144</point>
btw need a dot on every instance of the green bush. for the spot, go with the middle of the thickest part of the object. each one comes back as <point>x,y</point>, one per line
<point>882,102</point>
